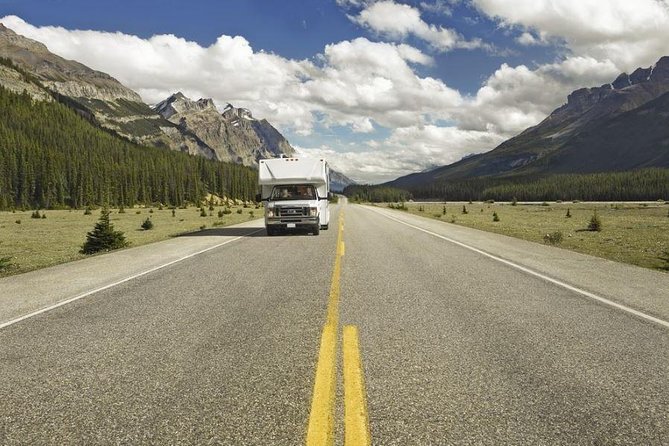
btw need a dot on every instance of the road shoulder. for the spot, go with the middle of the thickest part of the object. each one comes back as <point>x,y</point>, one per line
<point>27,293</point>
<point>639,288</point>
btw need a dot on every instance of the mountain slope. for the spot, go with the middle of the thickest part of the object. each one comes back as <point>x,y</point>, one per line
<point>197,130</point>
<point>234,135</point>
<point>636,139</point>
<point>56,159</point>
<point>598,129</point>
<point>178,123</point>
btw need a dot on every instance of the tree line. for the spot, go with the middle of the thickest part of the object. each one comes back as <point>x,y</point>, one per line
<point>50,157</point>
<point>376,194</point>
<point>642,184</point>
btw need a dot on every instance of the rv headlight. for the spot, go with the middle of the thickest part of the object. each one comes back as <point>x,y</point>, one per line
<point>270,212</point>
<point>313,212</point>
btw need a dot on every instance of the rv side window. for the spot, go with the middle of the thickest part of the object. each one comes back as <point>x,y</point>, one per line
<point>293,192</point>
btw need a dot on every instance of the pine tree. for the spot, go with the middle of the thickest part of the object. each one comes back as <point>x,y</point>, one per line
<point>595,223</point>
<point>103,237</point>
<point>147,224</point>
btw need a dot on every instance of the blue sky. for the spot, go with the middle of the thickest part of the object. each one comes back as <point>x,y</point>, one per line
<point>382,88</point>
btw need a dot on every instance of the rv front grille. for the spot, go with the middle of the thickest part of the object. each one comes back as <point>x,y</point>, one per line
<point>291,211</point>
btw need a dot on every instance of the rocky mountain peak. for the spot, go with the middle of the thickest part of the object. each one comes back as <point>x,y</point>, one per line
<point>232,114</point>
<point>233,135</point>
<point>625,92</point>
<point>178,103</point>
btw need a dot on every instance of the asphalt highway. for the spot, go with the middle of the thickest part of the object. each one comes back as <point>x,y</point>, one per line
<point>456,347</point>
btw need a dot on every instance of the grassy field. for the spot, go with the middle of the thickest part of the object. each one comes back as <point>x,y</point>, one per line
<point>37,243</point>
<point>636,233</point>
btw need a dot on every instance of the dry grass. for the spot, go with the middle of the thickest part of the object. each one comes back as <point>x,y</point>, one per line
<point>635,233</point>
<point>37,243</point>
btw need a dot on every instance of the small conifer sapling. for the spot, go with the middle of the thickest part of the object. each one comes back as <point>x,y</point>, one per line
<point>103,237</point>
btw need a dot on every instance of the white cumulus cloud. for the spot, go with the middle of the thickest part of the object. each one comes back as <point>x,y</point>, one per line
<point>398,21</point>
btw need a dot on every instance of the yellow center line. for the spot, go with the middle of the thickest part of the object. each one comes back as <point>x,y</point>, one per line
<point>320,431</point>
<point>356,419</point>
<point>321,421</point>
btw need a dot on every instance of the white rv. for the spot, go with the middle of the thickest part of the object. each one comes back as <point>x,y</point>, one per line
<point>295,193</point>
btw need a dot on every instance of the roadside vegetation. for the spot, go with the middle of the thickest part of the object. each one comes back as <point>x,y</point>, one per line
<point>40,242</point>
<point>635,233</point>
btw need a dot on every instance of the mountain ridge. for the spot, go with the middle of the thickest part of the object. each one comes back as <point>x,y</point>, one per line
<point>556,144</point>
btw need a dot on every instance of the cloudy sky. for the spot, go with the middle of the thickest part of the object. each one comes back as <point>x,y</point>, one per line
<point>381,88</point>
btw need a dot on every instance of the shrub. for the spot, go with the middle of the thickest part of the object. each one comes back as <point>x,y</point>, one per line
<point>87,211</point>
<point>487,201</point>
<point>174,213</point>
<point>464,209</point>
<point>218,223</point>
<point>545,204</point>
<point>568,215</point>
<point>103,237</point>
<point>514,202</point>
<point>43,215</point>
<point>220,214</point>
<point>495,217</point>
<point>121,210</point>
<point>151,211</point>
<point>203,213</point>
<point>443,211</point>
<point>138,212</point>
<point>437,215</point>
<point>203,227</point>
<point>452,218</point>
<point>665,257</point>
<point>35,214</point>
<point>160,207</point>
<point>251,214</point>
<point>554,238</point>
<point>240,210</point>
<point>147,224</point>
<point>227,211</point>
<point>18,222</point>
<point>595,222</point>
<point>421,208</point>
<point>5,263</point>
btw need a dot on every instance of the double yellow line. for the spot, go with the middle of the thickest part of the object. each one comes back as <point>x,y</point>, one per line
<point>320,431</point>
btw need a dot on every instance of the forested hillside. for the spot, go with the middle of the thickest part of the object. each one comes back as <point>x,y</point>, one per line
<point>50,157</point>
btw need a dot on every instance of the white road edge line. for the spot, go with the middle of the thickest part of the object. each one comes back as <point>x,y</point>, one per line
<point>534,273</point>
<point>127,279</point>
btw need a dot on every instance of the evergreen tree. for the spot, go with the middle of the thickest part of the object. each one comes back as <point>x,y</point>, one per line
<point>103,237</point>
<point>147,224</point>
<point>595,222</point>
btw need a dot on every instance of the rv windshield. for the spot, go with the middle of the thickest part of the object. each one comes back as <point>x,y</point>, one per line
<point>293,192</point>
